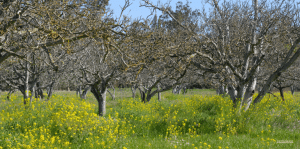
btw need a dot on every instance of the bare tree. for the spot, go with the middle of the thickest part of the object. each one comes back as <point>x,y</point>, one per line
<point>157,67</point>
<point>26,25</point>
<point>104,59</point>
<point>234,39</point>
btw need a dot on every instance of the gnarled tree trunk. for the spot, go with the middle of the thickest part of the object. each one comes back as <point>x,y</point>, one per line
<point>133,89</point>
<point>143,94</point>
<point>82,94</point>
<point>78,91</point>
<point>100,95</point>
<point>50,90</point>
<point>184,90</point>
<point>248,98</point>
<point>281,93</point>
<point>39,91</point>
<point>293,88</point>
<point>32,90</point>
<point>176,89</point>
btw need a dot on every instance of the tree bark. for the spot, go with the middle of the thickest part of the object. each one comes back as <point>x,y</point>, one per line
<point>84,92</point>
<point>184,90</point>
<point>159,94</point>
<point>9,94</point>
<point>232,93</point>
<point>149,95</point>
<point>32,90</point>
<point>220,90</point>
<point>284,66</point>
<point>40,93</point>
<point>133,89</point>
<point>78,91</point>
<point>24,88</point>
<point>143,96</point>
<point>37,91</point>
<point>100,95</point>
<point>176,89</point>
<point>50,90</point>
<point>26,83</point>
<point>281,93</point>
<point>248,98</point>
<point>113,95</point>
<point>292,89</point>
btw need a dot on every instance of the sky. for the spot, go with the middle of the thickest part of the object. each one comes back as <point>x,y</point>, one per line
<point>136,12</point>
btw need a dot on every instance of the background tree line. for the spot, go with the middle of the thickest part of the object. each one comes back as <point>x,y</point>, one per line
<point>237,48</point>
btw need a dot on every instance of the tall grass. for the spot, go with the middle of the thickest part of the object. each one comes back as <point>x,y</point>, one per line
<point>178,121</point>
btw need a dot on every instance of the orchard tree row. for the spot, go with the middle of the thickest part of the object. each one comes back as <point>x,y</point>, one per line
<point>235,47</point>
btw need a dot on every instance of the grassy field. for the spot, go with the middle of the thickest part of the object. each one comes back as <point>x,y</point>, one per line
<point>196,120</point>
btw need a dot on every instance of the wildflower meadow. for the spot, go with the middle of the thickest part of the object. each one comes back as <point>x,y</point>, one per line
<point>196,120</point>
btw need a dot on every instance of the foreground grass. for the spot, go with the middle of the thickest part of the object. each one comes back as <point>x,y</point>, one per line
<point>179,121</point>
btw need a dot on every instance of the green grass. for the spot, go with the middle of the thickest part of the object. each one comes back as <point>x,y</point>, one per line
<point>198,119</point>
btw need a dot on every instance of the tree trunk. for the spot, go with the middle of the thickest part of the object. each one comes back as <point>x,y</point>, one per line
<point>175,89</point>
<point>292,89</point>
<point>32,90</point>
<point>102,104</point>
<point>9,93</point>
<point>133,89</point>
<point>159,94</point>
<point>78,91</point>
<point>281,93</point>
<point>84,92</point>
<point>149,95</point>
<point>100,95</point>
<point>36,94</point>
<point>50,90</point>
<point>26,83</point>
<point>246,90</point>
<point>179,89</point>
<point>113,95</point>
<point>259,88</point>
<point>220,90</point>
<point>248,98</point>
<point>232,93</point>
<point>184,90</point>
<point>39,91</point>
<point>226,90</point>
<point>143,96</point>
